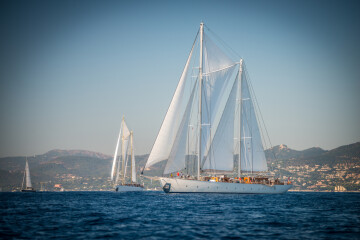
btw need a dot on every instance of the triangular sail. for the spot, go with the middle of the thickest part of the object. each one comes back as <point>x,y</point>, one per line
<point>125,141</point>
<point>115,154</point>
<point>133,167</point>
<point>221,155</point>
<point>252,151</point>
<point>167,134</point>
<point>27,172</point>
<point>176,159</point>
<point>125,159</point>
<point>120,164</point>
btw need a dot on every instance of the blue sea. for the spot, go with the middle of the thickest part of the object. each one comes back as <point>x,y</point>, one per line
<point>156,215</point>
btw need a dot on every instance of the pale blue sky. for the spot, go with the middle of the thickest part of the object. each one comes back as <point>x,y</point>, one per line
<point>69,70</point>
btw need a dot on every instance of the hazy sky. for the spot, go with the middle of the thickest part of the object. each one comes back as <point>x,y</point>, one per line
<point>69,70</point>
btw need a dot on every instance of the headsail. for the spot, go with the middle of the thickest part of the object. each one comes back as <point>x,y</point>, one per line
<point>120,164</point>
<point>223,140</point>
<point>167,134</point>
<point>252,151</point>
<point>133,167</point>
<point>115,154</point>
<point>27,172</point>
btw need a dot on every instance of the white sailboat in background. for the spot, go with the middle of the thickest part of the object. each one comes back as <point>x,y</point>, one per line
<point>210,137</point>
<point>120,164</point>
<point>27,180</point>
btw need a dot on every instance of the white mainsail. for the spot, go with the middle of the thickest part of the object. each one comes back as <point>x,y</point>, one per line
<point>27,173</point>
<point>133,167</point>
<point>120,165</point>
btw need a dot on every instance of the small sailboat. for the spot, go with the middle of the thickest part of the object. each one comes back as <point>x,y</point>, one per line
<point>340,189</point>
<point>119,168</point>
<point>27,180</point>
<point>210,137</point>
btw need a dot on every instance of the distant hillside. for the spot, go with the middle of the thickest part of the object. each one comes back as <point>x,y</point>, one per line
<point>86,170</point>
<point>80,153</point>
<point>283,152</point>
<point>315,156</point>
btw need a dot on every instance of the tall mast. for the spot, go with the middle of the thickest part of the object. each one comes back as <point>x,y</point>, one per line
<point>200,93</point>
<point>240,104</point>
<point>131,165</point>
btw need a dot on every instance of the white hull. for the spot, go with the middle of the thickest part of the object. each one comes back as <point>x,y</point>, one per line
<point>124,188</point>
<point>178,185</point>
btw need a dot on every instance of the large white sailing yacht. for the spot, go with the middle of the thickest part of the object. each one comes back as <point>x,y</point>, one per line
<point>210,137</point>
<point>119,168</point>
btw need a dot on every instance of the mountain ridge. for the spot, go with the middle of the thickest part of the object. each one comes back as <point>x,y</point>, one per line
<point>77,169</point>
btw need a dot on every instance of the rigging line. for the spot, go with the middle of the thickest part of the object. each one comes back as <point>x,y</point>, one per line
<point>256,108</point>
<point>262,119</point>
<point>222,41</point>
<point>257,144</point>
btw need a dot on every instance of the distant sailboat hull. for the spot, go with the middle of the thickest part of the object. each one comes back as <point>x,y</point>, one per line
<point>28,190</point>
<point>178,185</point>
<point>129,188</point>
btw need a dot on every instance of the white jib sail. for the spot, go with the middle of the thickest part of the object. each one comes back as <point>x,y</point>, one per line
<point>166,137</point>
<point>252,151</point>
<point>125,146</point>
<point>176,160</point>
<point>27,171</point>
<point>115,154</point>
<point>133,167</point>
<point>221,155</point>
<point>125,140</point>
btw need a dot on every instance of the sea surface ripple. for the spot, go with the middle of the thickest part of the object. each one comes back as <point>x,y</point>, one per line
<point>156,215</point>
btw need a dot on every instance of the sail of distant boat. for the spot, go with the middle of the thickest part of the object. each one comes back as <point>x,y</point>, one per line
<point>119,175</point>
<point>28,186</point>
